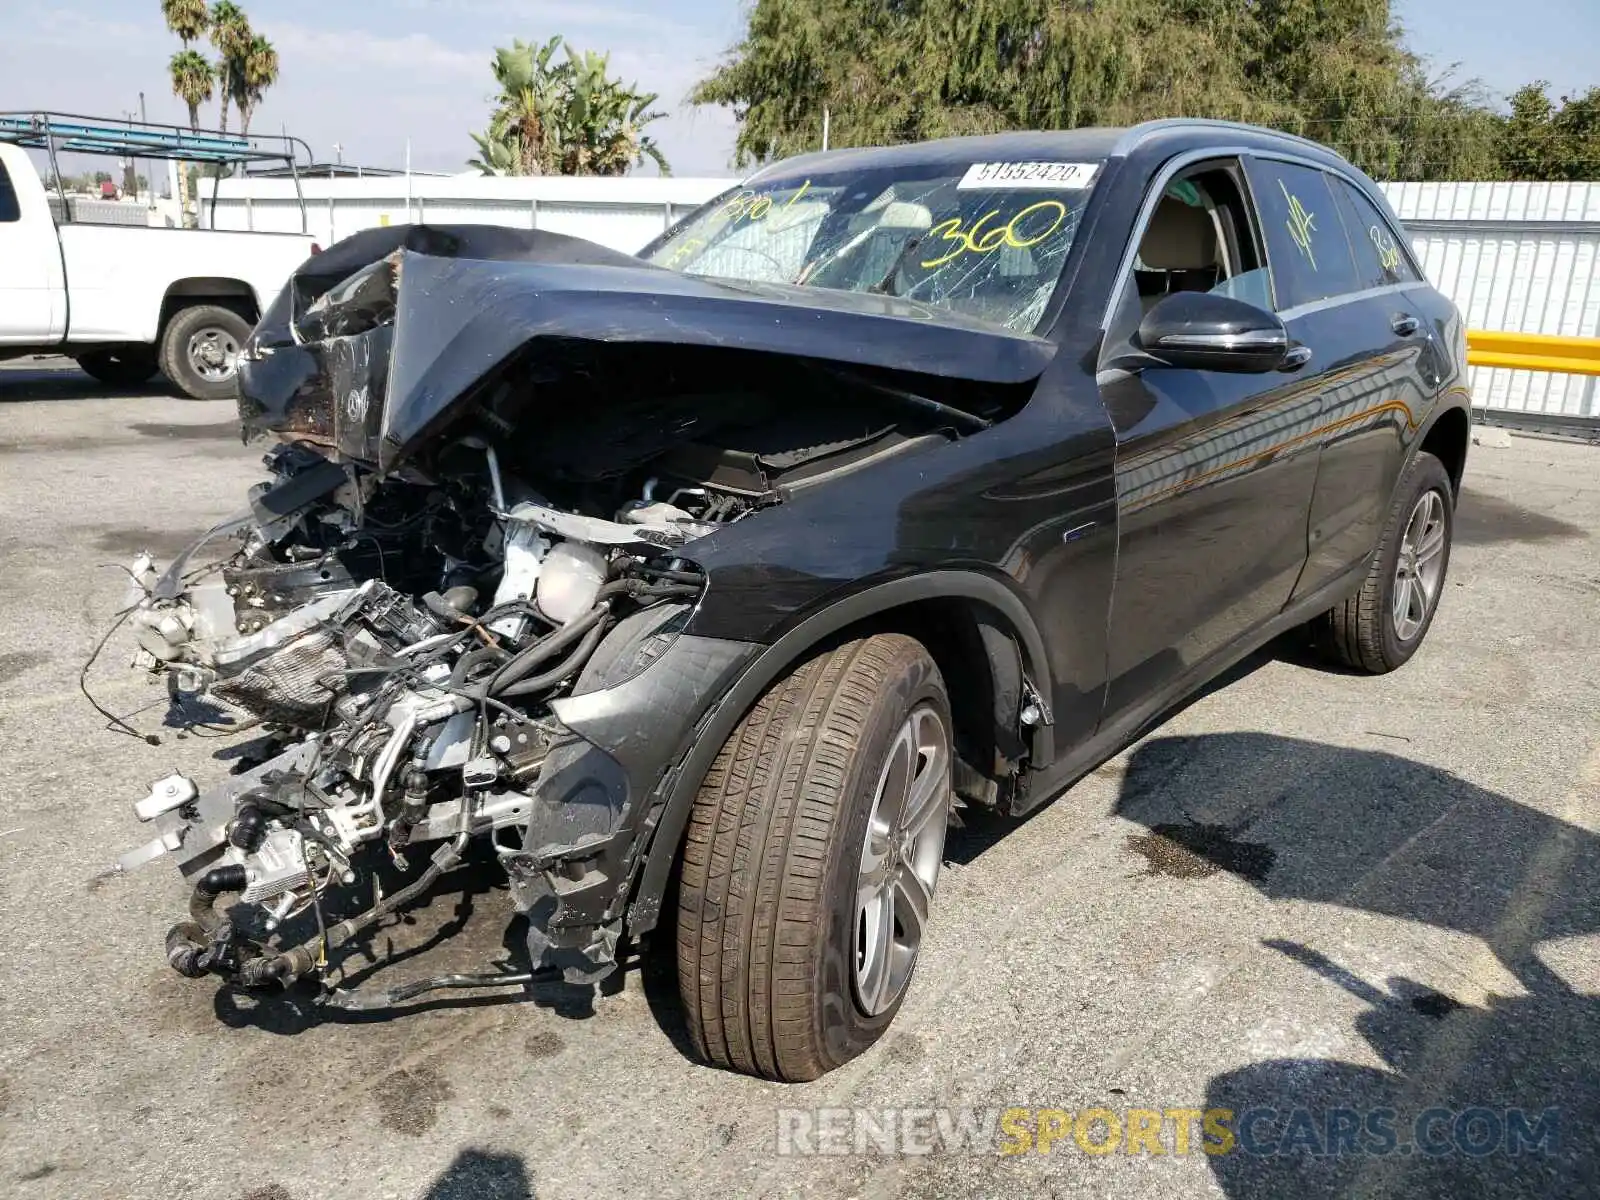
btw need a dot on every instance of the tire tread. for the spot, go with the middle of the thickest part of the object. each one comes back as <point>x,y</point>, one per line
<point>753,887</point>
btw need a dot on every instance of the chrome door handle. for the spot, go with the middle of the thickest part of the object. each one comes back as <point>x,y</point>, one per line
<point>1405,325</point>
<point>1294,358</point>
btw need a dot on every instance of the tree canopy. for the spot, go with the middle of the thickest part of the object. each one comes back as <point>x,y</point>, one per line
<point>246,67</point>
<point>560,114</point>
<point>1337,71</point>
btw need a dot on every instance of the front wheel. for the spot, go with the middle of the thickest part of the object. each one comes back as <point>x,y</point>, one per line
<point>200,351</point>
<point>1382,625</point>
<point>120,366</point>
<point>810,861</point>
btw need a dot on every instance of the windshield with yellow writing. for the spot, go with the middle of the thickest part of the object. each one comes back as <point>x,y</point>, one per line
<point>986,240</point>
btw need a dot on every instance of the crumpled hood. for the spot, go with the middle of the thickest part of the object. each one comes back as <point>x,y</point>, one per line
<point>381,341</point>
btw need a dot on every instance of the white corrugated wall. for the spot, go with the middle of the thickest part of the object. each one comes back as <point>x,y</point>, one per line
<point>1521,257</point>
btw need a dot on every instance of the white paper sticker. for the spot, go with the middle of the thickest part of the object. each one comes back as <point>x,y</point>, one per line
<point>1054,176</point>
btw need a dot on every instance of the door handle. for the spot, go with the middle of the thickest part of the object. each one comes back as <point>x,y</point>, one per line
<point>1294,358</point>
<point>1405,324</point>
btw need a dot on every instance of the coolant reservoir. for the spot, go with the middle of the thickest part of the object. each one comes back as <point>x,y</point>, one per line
<point>569,580</point>
<point>525,549</point>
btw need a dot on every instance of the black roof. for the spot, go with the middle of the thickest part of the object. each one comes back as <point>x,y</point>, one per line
<point>1089,143</point>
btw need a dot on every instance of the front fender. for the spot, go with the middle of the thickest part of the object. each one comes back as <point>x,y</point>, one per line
<point>673,796</point>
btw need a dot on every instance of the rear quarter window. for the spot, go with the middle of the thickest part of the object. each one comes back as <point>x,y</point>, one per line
<point>10,209</point>
<point>1306,244</point>
<point>1382,256</point>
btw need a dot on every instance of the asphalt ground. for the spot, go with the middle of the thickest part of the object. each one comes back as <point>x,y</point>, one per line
<point>1306,890</point>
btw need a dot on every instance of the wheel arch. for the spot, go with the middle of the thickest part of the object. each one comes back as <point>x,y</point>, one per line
<point>979,633</point>
<point>1446,438</point>
<point>222,290</point>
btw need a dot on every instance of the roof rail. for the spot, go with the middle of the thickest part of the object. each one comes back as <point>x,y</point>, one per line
<point>1144,131</point>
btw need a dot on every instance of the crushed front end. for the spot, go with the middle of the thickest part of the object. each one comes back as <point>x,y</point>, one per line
<point>471,601</point>
<point>403,639</point>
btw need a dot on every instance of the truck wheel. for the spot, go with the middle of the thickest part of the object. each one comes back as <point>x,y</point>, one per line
<point>1382,625</point>
<point>810,859</point>
<point>120,366</point>
<point>200,351</point>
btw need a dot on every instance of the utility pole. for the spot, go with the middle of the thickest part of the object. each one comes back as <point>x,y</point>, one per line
<point>151,183</point>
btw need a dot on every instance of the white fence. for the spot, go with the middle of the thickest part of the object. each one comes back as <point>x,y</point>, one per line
<point>1522,257</point>
<point>623,214</point>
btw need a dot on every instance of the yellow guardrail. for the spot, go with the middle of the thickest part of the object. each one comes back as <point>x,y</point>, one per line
<point>1533,352</point>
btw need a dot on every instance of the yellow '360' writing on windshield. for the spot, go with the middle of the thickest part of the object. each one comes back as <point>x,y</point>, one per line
<point>751,205</point>
<point>1027,227</point>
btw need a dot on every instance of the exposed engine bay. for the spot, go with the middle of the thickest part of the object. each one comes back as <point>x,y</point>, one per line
<point>401,617</point>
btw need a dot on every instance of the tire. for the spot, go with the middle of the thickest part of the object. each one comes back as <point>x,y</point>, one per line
<point>1365,632</point>
<point>773,977</point>
<point>194,338</point>
<point>120,366</point>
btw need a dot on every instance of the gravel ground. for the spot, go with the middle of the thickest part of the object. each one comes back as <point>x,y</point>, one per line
<point>1305,890</point>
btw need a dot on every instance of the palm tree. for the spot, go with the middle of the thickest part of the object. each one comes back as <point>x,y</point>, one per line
<point>497,158</point>
<point>231,35</point>
<point>186,18</point>
<point>191,82</point>
<point>569,117</point>
<point>257,70</point>
<point>527,105</point>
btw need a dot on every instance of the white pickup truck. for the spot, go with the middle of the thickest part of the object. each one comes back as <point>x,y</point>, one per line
<point>127,301</point>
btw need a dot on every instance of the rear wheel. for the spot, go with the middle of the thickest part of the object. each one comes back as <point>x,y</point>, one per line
<point>120,366</point>
<point>200,351</point>
<point>1382,625</point>
<point>810,861</point>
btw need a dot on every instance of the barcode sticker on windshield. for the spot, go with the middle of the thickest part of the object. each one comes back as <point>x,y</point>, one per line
<point>1057,176</point>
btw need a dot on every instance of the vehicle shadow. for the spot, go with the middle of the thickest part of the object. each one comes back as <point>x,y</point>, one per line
<point>980,829</point>
<point>19,384</point>
<point>1482,519</point>
<point>1381,834</point>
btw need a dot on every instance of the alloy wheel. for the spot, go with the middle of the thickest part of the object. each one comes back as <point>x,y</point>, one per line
<point>900,859</point>
<point>1420,568</point>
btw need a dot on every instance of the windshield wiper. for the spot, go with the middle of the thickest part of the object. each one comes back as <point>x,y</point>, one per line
<point>927,404</point>
<point>881,288</point>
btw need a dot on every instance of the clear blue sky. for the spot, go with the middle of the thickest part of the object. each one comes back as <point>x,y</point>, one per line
<point>369,74</point>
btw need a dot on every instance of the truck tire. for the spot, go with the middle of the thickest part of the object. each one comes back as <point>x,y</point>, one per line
<point>200,351</point>
<point>120,366</point>
<point>1382,626</point>
<point>812,851</point>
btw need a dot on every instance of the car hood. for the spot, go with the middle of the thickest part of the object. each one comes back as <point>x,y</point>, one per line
<point>377,344</point>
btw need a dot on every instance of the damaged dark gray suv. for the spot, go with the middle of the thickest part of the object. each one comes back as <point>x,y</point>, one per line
<point>703,585</point>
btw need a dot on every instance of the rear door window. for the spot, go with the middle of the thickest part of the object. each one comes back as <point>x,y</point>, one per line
<point>1382,257</point>
<point>1306,245</point>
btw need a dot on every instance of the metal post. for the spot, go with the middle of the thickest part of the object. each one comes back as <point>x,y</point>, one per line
<point>825,117</point>
<point>533,213</point>
<point>294,172</point>
<point>55,168</point>
<point>672,216</point>
<point>216,182</point>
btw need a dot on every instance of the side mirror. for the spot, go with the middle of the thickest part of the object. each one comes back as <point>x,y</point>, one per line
<point>1206,332</point>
